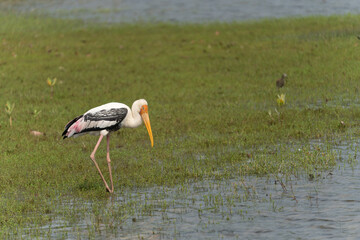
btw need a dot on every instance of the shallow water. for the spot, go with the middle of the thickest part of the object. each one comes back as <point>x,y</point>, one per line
<point>326,206</point>
<point>182,11</point>
<point>305,207</point>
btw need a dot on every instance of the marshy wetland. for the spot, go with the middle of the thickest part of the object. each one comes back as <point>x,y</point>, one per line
<point>230,160</point>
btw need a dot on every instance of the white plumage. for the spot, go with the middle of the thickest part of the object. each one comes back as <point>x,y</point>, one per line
<point>114,116</point>
<point>106,118</point>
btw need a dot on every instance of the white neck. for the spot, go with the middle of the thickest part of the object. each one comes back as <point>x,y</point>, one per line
<point>133,118</point>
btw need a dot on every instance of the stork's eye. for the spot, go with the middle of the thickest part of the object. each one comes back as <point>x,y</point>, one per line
<point>143,109</point>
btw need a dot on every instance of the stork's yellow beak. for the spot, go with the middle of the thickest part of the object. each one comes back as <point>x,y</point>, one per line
<point>145,116</point>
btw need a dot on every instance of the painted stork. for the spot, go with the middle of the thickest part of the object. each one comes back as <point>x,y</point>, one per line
<point>105,119</point>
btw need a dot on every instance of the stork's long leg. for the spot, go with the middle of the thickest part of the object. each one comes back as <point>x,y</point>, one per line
<point>92,156</point>
<point>109,161</point>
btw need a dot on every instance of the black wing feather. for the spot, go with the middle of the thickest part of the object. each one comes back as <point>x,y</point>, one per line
<point>113,114</point>
<point>116,115</point>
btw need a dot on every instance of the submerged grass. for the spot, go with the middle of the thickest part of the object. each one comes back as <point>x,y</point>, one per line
<point>212,103</point>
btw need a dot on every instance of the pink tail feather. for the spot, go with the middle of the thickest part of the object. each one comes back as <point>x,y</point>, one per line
<point>74,126</point>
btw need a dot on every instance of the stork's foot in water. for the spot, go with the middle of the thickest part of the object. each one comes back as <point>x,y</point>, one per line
<point>109,190</point>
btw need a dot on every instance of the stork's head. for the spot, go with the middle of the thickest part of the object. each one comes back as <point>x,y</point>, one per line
<point>141,106</point>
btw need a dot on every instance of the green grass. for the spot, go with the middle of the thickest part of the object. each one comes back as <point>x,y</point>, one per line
<point>209,98</point>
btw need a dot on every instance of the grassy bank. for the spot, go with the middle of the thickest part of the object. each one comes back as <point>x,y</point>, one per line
<point>212,103</point>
